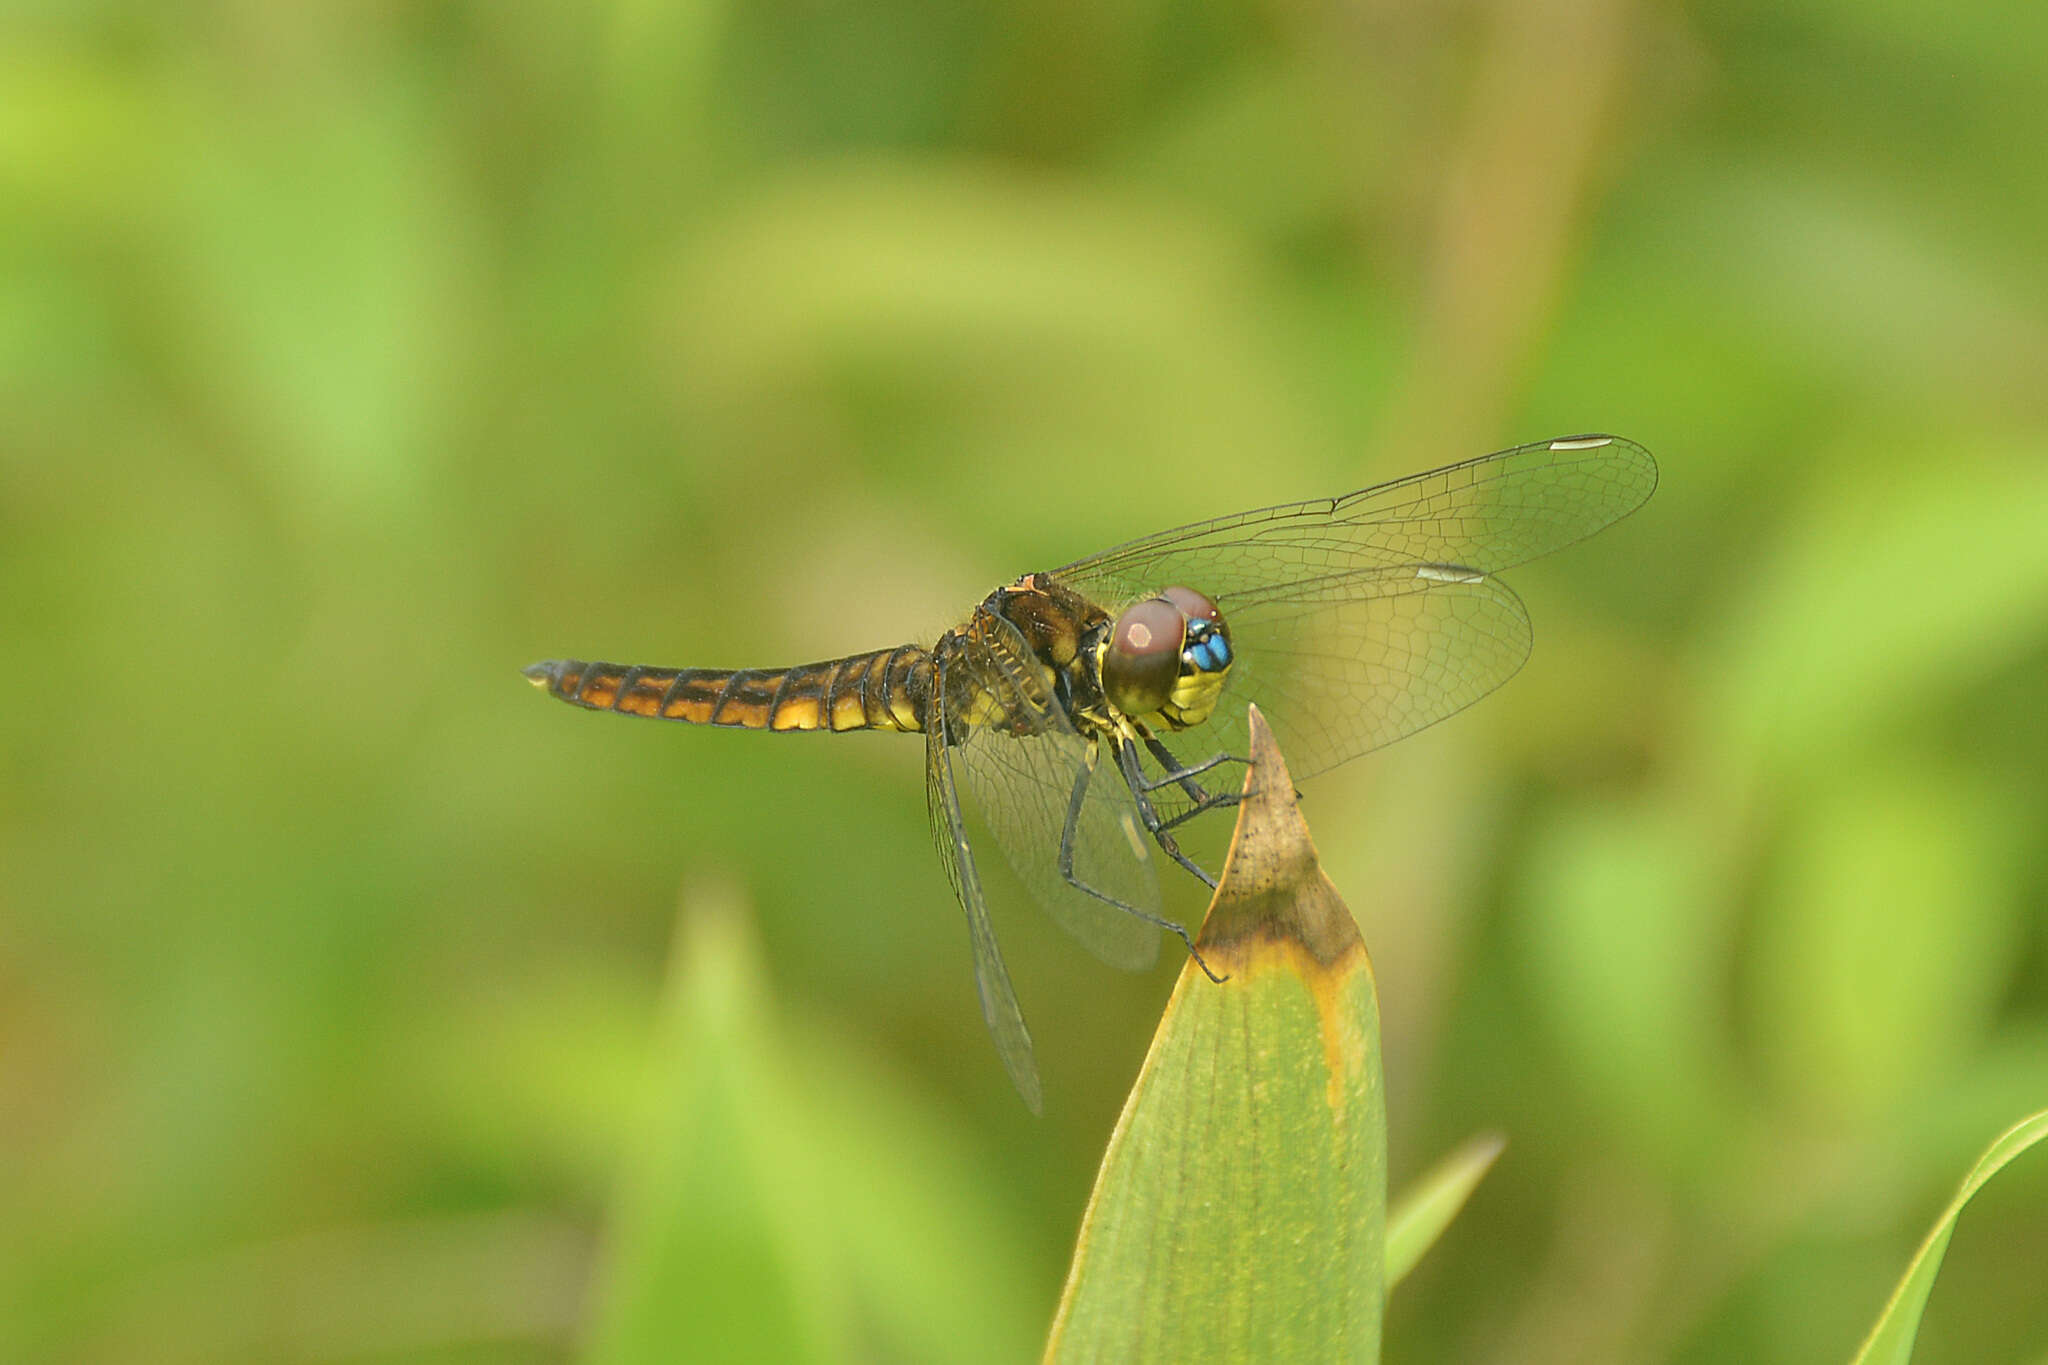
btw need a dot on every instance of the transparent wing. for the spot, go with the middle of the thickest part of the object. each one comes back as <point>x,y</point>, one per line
<point>1488,514</point>
<point>1360,619</point>
<point>991,979</point>
<point>1054,802</point>
<point>1374,660</point>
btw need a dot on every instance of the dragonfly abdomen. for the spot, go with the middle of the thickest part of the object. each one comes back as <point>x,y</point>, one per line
<point>885,689</point>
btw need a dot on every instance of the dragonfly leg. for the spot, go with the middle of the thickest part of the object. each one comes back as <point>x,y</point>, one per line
<point>1075,802</point>
<point>1174,775</point>
<point>1210,801</point>
<point>1174,772</point>
<point>1160,830</point>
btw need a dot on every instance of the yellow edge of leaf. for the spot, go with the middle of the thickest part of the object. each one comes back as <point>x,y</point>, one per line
<point>1891,1340</point>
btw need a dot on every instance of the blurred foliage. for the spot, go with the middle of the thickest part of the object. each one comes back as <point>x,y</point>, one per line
<point>352,356</point>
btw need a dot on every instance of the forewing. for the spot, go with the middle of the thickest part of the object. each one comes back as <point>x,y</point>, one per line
<point>991,979</point>
<point>1361,619</point>
<point>1023,769</point>
<point>1358,663</point>
<point>1486,514</point>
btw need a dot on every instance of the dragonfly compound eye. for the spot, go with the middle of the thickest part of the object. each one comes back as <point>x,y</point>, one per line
<point>1207,643</point>
<point>1142,662</point>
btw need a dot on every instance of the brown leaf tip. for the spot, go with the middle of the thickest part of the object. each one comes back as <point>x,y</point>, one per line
<point>1273,887</point>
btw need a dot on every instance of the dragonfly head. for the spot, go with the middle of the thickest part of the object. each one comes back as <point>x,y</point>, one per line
<point>1168,655</point>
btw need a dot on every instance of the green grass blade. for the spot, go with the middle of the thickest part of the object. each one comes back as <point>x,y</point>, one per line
<point>787,1199</point>
<point>1426,1208</point>
<point>1240,1213</point>
<point>1891,1341</point>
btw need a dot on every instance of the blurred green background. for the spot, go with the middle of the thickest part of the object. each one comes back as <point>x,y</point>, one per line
<point>358,1004</point>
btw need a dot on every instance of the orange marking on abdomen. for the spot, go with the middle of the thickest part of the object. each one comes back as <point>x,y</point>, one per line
<point>796,713</point>
<point>849,712</point>
<point>642,697</point>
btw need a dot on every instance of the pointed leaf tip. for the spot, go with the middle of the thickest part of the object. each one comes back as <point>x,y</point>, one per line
<point>1240,1213</point>
<point>1425,1209</point>
<point>1273,888</point>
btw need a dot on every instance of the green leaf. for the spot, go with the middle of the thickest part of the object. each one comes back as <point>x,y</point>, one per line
<point>1891,1341</point>
<point>786,1202</point>
<point>1422,1213</point>
<point>699,1220</point>
<point>1240,1213</point>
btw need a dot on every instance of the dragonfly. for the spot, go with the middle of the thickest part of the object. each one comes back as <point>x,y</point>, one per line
<point>1091,711</point>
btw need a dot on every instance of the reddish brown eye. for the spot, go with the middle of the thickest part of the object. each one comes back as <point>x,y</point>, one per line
<point>1192,604</point>
<point>1143,659</point>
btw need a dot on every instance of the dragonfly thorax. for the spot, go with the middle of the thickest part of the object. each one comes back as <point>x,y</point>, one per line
<point>1168,656</point>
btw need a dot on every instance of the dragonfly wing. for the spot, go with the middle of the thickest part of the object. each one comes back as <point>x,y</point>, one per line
<point>1358,620</point>
<point>1053,798</point>
<point>1487,514</point>
<point>1358,665</point>
<point>999,1007</point>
